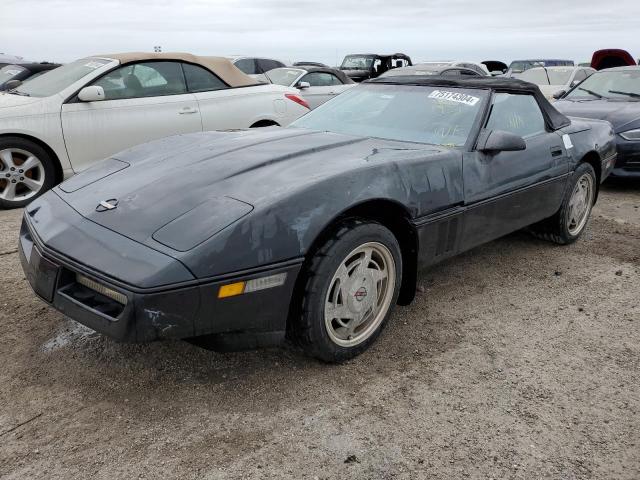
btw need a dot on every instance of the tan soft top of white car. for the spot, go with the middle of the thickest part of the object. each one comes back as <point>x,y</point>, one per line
<point>222,67</point>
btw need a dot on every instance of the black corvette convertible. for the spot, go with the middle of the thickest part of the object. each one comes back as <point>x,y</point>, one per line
<point>312,232</point>
<point>612,95</point>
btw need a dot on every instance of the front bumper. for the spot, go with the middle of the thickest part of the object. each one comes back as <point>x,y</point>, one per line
<point>628,161</point>
<point>186,310</point>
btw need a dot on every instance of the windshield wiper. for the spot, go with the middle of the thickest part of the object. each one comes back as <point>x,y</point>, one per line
<point>591,92</point>
<point>628,94</point>
<point>16,92</point>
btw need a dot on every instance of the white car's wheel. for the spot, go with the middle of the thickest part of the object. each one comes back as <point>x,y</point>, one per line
<point>26,172</point>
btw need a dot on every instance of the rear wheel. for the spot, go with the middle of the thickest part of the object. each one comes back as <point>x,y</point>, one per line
<point>568,224</point>
<point>26,172</point>
<point>351,287</point>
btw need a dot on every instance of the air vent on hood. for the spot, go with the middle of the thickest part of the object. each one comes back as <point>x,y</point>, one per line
<point>200,223</point>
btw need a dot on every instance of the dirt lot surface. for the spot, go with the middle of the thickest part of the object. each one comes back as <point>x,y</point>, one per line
<point>519,359</point>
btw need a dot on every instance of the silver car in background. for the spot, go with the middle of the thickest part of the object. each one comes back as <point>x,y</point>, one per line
<point>552,80</point>
<point>316,84</point>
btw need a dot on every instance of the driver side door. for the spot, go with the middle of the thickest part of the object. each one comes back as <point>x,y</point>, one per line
<point>143,102</point>
<point>506,191</point>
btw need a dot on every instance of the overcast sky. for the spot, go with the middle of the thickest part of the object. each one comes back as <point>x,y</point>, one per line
<point>321,30</point>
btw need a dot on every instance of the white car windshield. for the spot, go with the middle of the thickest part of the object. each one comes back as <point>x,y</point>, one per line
<point>56,80</point>
<point>284,76</point>
<point>9,71</point>
<point>432,115</point>
<point>559,76</point>
<point>620,84</point>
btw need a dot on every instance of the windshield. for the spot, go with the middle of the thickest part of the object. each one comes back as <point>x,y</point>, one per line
<point>56,80</point>
<point>8,72</point>
<point>621,84</point>
<point>559,76</point>
<point>535,75</point>
<point>415,70</point>
<point>284,76</point>
<point>357,62</point>
<point>522,65</point>
<point>433,115</point>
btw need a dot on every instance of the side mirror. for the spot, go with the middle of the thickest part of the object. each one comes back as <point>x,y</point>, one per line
<point>494,141</point>
<point>303,85</point>
<point>559,94</point>
<point>11,84</point>
<point>93,93</point>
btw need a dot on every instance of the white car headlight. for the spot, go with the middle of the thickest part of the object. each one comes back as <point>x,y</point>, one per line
<point>631,134</point>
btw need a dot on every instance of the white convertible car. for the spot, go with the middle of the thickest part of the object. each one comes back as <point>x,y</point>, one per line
<point>62,122</point>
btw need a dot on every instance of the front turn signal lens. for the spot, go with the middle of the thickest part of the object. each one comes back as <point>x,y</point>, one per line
<point>253,285</point>
<point>231,290</point>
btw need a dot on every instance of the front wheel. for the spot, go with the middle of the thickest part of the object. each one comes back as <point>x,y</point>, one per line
<point>26,172</point>
<point>568,224</point>
<point>351,287</point>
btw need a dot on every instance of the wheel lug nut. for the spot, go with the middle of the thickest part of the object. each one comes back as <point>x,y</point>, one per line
<point>13,169</point>
<point>21,178</point>
<point>13,181</point>
<point>8,175</point>
<point>21,171</point>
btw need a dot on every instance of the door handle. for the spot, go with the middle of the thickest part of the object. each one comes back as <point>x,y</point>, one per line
<point>186,110</point>
<point>556,151</point>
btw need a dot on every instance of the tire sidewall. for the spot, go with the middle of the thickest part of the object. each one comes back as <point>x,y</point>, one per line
<point>43,156</point>
<point>319,283</point>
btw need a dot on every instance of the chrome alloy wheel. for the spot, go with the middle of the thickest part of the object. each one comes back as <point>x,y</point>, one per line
<point>360,294</point>
<point>580,204</point>
<point>21,174</point>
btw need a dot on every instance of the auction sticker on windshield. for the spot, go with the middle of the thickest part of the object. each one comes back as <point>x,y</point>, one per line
<point>455,97</point>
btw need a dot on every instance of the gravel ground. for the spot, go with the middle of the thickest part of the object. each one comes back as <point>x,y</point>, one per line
<point>519,359</point>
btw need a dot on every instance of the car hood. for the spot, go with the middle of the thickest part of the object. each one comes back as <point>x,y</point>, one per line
<point>619,113</point>
<point>12,100</point>
<point>221,176</point>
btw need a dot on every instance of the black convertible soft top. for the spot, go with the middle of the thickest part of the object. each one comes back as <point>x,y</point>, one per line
<point>512,85</point>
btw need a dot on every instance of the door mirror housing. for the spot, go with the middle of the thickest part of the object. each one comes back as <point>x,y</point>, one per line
<point>303,85</point>
<point>11,84</point>
<point>559,94</point>
<point>94,93</point>
<point>494,141</point>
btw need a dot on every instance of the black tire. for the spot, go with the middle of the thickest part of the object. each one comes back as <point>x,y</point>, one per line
<point>556,228</point>
<point>37,151</point>
<point>308,328</point>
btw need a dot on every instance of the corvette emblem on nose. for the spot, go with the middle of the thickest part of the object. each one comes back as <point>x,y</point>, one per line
<point>105,205</point>
<point>360,294</point>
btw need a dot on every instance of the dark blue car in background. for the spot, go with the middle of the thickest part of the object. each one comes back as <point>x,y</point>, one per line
<point>613,95</point>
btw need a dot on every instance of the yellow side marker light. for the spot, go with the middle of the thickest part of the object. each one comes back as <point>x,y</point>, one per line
<point>231,290</point>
